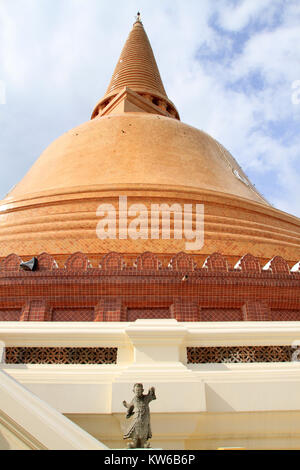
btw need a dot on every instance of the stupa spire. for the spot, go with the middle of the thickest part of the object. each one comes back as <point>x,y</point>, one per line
<point>138,17</point>
<point>137,70</point>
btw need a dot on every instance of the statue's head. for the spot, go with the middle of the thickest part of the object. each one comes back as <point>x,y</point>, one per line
<point>138,389</point>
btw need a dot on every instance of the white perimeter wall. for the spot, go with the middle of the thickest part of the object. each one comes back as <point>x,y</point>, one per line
<point>197,406</point>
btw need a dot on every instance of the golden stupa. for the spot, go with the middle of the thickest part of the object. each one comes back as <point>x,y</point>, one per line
<point>135,145</point>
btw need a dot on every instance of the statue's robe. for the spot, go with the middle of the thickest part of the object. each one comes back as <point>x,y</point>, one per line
<point>139,427</point>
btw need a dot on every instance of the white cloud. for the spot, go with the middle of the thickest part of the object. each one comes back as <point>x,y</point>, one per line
<point>238,15</point>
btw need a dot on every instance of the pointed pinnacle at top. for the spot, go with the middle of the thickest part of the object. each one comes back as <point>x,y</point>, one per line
<point>138,18</point>
<point>137,69</point>
<point>137,66</point>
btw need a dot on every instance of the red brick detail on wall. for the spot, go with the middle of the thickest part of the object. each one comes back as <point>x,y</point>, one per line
<point>249,264</point>
<point>256,311</point>
<point>77,262</point>
<point>147,261</point>
<point>110,310</point>
<point>183,310</point>
<point>73,314</point>
<point>46,262</point>
<point>36,310</point>
<point>74,293</point>
<point>182,262</point>
<point>221,314</point>
<point>216,263</point>
<point>278,265</point>
<point>148,313</point>
<point>112,261</point>
<point>10,315</point>
<point>11,263</point>
<point>285,315</point>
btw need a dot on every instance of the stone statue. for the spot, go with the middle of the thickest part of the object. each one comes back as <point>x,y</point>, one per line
<point>139,429</point>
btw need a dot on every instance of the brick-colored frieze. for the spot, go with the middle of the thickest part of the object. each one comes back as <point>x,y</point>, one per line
<point>184,310</point>
<point>216,263</point>
<point>256,311</point>
<point>146,289</point>
<point>110,310</point>
<point>36,310</point>
<point>10,263</point>
<point>182,262</point>
<point>249,264</point>
<point>112,261</point>
<point>148,261</point>
<point>77,262</point>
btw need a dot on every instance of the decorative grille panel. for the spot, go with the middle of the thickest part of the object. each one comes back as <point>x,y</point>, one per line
<point>61,355</point>
<point>239,354</point>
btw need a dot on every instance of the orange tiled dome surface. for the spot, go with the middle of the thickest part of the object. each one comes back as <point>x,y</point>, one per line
<point>135,149</point>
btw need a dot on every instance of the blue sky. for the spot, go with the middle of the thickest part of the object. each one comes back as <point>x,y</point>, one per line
<point>228,66</point>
